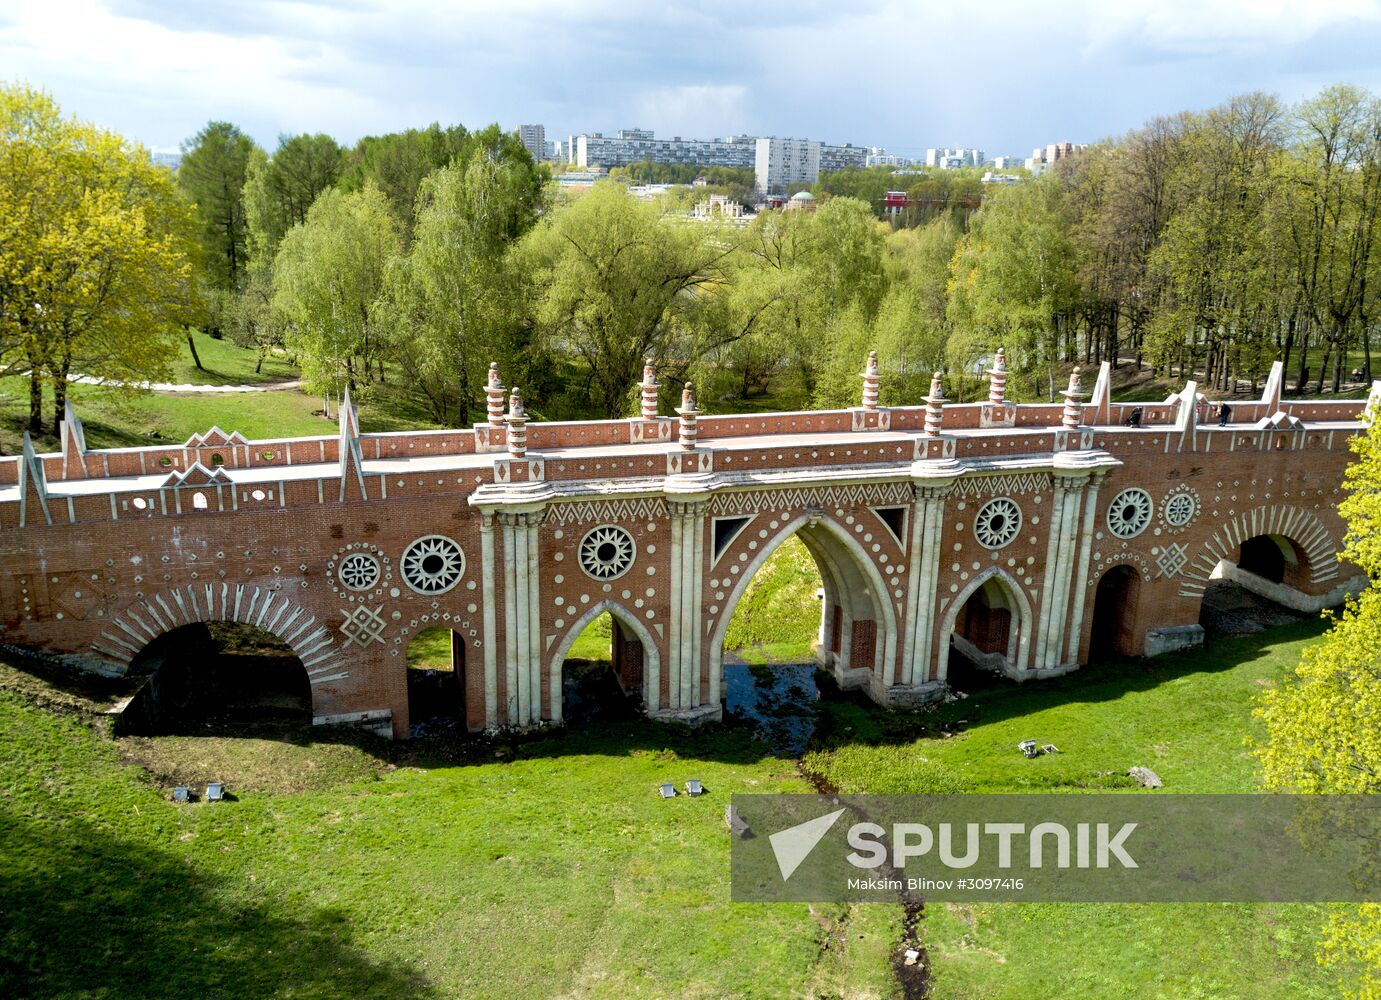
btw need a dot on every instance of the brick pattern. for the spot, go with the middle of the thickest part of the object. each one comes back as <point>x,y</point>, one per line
<point>93,574</point>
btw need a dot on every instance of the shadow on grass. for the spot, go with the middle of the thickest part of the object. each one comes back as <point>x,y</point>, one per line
<point>850,718</point>
<point>85,914</point>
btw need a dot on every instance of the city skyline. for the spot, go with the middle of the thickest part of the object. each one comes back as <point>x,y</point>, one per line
<point>809,71</point>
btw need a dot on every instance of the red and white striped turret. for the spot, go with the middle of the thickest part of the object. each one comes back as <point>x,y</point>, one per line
<point>1074,409</point>
<point>687,412</point>
<point>870,382</point>
<point>517,420</point>
<point>935,407</point>
<point>649,389</point>
<point>997,379</point>
<point>493,392</point>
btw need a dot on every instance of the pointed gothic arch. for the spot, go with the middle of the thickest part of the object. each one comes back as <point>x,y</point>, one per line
<point>623,618</point>
<point>1018,646</point>
<point>852,584</point>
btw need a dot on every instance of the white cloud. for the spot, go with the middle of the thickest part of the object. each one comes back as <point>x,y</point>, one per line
<point>696,110</point>
<point>1205,26</point>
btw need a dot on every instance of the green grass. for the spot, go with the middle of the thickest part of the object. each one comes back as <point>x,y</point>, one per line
<point>553,872</point>
<point>595,641</point>
<point>1188,718</point>
<point>430,649</point>
<point>222,363</point>
<point>777,620</point>
<point>123,418</point>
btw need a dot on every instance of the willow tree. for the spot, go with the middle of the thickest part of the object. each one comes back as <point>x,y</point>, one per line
<point>328,277</point>
<point>96,253</point>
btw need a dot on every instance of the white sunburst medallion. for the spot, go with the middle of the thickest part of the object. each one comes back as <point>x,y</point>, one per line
<point>1129,513</point>
<point>997,523</point>
<point>433,564</point>
<point>606,552</point>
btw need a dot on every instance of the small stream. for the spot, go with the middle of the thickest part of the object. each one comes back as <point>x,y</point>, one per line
<point>778,700</point>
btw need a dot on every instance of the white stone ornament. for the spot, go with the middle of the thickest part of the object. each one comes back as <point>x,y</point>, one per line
<point>606,552</point>
<point>1180,509</point>
<point>1129,513</point>
<point>433,564</point>
<point>997,523</point>
<point>359,571</point>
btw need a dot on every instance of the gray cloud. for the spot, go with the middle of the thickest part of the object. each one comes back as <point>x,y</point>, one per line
<point>1005,75</point>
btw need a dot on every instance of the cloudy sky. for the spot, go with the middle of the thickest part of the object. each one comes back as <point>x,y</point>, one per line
<point>1004,75</point>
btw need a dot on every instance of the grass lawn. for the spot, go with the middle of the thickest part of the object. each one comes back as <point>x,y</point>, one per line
<point>778,618</point>
<point>547,867</point>
<point>222,363</point>
<point>1187,717</point>
<point>124,418</point>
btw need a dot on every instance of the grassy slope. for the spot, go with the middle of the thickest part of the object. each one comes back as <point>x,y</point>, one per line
<point>1187,717</point>
<point>778,618</point>
<point>123,418</point>
<point>557,873</point>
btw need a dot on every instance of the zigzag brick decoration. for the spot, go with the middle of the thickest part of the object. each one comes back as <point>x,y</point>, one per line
<point>749,502</point>
<point>1021,482</point>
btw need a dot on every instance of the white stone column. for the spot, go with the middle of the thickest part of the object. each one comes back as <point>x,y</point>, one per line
<point>510,618</point>
<point>686,643</point>
<point>921,602</point>
<point>491,637</point>
<point>522,617</point>
<point>1080,595</point>
<point>1059,561</point>
<point>534,622</point>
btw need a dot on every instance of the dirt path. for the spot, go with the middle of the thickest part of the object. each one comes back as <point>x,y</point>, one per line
<point>293,383</point>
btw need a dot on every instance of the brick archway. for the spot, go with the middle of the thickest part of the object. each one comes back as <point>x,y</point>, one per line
<point>1021,621</point>
<point>838,556</point>
<point>130,630</point>
<point>1304,530</point>
<point>652,662</point>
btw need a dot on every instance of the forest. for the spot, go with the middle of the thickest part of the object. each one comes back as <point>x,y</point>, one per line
<point>1205,244</point>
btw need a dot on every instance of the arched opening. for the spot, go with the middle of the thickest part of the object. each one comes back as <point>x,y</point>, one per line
<point>988,627</point>
<point>1270,557</point>
<point>436,680</point>
<point>602,671</point>
<point>855,631</point>
<point>771,646</point>
<point>219,673</point>
<point>1267,586</point>
<point>1113,630</point>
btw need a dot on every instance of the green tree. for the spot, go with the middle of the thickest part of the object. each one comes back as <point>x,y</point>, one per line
<point>279,191</point>
<point>615,284</point>
<point>1323,727</point>
<point>327,280</point>
<point>96,252</point>
<point>1013,282</point>
<point>212,173</point>
<point>396,164</point>
<point>455,299</point>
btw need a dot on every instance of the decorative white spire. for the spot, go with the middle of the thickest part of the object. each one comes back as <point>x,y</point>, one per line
<point>935,407</point>
<point>687,412</point>
<point>997,379</point>
<point>870,381</point>
<point>493,394</point>
<point>1074,409</point>
<point>517,420</point>
<point>649,388</point>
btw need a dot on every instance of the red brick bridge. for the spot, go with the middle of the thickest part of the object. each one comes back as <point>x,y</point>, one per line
<point>1030,537</point>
